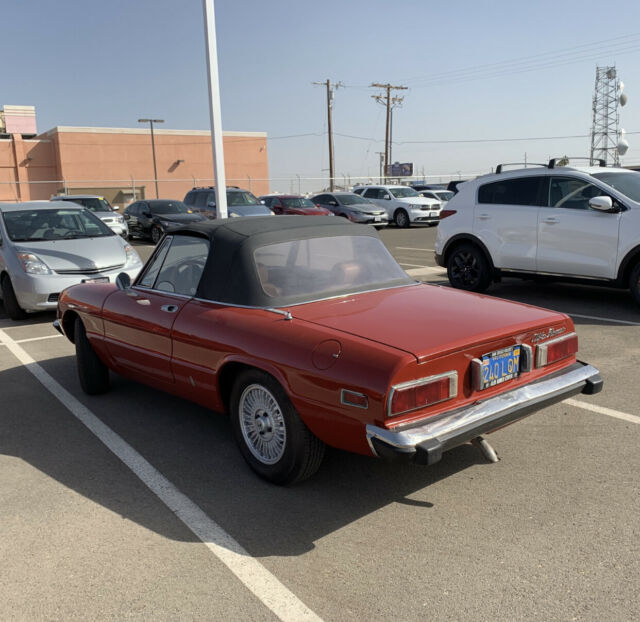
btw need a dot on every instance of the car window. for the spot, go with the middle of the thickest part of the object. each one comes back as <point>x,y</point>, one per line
<point>351,199</point>
<point>168,207</point>
<point>319,267</point>
<point>322,198</point>
<point>201,199</point>
<point>373,193</point>
<point>53,224</point>
<point>181,266</point>
<point>267,201</point>
<point>403,193</point>
<point>523,191</point>
<point>190,198</point>
<point>241,197</point>
<point>627,183</point>
<point>572,193</point>
<point>297,202</point>
<point>150,273</point>
<point>93,204</point>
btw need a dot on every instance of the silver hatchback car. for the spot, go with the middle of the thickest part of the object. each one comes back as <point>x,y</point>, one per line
<point>47,246</point>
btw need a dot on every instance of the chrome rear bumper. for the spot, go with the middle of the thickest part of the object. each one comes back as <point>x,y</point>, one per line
<point>425,441</point>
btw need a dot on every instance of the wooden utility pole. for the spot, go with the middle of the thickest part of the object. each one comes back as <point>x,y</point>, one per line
<point>330,125</point>
<point>387,101</point>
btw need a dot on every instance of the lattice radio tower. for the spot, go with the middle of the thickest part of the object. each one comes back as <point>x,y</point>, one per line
<point>607,142</point>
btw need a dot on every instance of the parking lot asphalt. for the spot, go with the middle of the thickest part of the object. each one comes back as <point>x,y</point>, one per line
<point>137,505</point>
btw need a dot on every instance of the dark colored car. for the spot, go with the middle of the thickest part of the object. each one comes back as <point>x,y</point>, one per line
<point>239,202</point>
<point>152,219</point>
<point>293,204</point>
<point>419,187</point>
<point>453,185</point>
<point>307,333</point>
<point>352,206</point>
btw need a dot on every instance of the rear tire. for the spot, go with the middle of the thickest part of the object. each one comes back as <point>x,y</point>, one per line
<point>401,219</point>
<point>92,372</point>
<point>468,268</point>
<point>271,437</point>
<point>634,283</point>
<point>11,305</point>
<point>156,234</point>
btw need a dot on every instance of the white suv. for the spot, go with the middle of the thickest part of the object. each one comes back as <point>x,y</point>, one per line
<point>403,204</point>
<point>567,222</point>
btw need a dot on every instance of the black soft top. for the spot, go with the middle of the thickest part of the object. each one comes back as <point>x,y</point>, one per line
<point>230,274</point>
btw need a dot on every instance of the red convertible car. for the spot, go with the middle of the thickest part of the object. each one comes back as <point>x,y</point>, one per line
<point>307,333</point>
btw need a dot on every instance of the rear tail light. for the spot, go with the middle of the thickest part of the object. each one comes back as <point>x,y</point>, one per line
<point>556,349</point>
<point>421,393</point>
<point>445,213</point>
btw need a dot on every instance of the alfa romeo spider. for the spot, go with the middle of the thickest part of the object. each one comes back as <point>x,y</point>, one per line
<point>309,334</point>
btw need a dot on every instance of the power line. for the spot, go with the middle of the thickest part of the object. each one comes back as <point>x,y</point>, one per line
<point>389,102</point>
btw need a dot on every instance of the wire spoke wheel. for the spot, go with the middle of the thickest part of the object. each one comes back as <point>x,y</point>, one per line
<point>262,424</point>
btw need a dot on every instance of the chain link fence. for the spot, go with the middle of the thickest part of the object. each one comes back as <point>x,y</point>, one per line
<point>121,192</point>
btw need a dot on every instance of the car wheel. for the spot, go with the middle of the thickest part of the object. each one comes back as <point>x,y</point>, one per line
<point>11,305</point>
<point>272,438</point>
<point>467,268</point>
<point>634,283</point>
<point>401,219</point>
<point>156,234</point>
<point>93,373</point>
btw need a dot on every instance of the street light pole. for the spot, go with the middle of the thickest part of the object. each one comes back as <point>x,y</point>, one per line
<point>153,149</point>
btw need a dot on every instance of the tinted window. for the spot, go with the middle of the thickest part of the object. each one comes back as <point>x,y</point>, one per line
<point>373,193</point>
<point>351,199</point>
<point>297,202</point>
<point>524,191</point>
<point>168,207</point>
<point>240,197</point>
<point>201,199</point>
<point>190,198</point>
<point>572,193</point>
<point>322,198</point>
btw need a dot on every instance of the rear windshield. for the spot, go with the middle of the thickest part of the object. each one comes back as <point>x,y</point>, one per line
<point>235,197</point>
<point>298,202</point>
<point>323,267</point>
<point>627,183</point>
<point>53,224</point>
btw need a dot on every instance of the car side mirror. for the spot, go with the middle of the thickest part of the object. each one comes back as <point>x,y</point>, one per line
<point>387,197</point>
<point>123,281</point>
<point>263,203</point>
<point>602,204</point>
<point>115,208</point>
<point>147,214</point>
<point>211,204</point>
<point>334,203</point>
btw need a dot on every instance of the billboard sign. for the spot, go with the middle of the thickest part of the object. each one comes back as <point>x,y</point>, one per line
<point>397,169</point>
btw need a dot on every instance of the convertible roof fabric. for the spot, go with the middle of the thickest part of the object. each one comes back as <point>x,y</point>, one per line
<point>230,274</point>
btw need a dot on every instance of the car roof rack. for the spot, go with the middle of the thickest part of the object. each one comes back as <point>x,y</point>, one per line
<point>564,161</point>
<point>500,167</point>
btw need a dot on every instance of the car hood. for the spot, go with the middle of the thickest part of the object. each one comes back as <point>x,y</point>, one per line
<point>179,218</point>
<point>82,254</point>
<point>419,201</point>
<point>308,211</point>
<point>369,208</point>
<point>103,215</point>
<point>426,320</point>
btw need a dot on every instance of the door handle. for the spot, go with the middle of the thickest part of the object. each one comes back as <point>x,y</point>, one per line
<point>551,221</point>
<point>169,308</point>
<point>484,216</point>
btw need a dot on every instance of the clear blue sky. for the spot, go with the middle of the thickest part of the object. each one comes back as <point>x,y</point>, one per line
<point>97,63</point>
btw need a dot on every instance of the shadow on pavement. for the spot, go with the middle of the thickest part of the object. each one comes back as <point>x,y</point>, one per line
<point>195,450</point>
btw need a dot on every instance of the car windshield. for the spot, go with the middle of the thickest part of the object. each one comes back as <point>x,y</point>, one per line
<point>298,202</point>
<point>402,193</point>
<point>322,267</point>
<point>168,207</point>
<point>235,197</point>
<point>53,224</point>
<point>350,199</point>
<point>93,204</point>
<point>250,210</point>
<point>627,183</point>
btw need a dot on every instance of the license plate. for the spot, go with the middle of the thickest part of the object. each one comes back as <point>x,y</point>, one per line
<point>97,279</point>
<point>377,218</point>
<point>499,366</point>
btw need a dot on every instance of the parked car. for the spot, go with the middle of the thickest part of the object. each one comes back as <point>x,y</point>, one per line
<point>101,208</point>
<point>569,222</point>
<point>46,246</point>
<point>439,195</point>
<point>239,203</point>
<point>453,186</point>
<point>352,206</point>
<point>152,219</point>
<point>419,187</point>
<point>307,333</point>
<point>292,204</point>
<point>403,204</point>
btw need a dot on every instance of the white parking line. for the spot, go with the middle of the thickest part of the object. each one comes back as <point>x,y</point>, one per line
<point>603,411</point>
<point>408,248</point>
<point>265,586</point>
<point>412,265</point>
<point>33,339</point>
